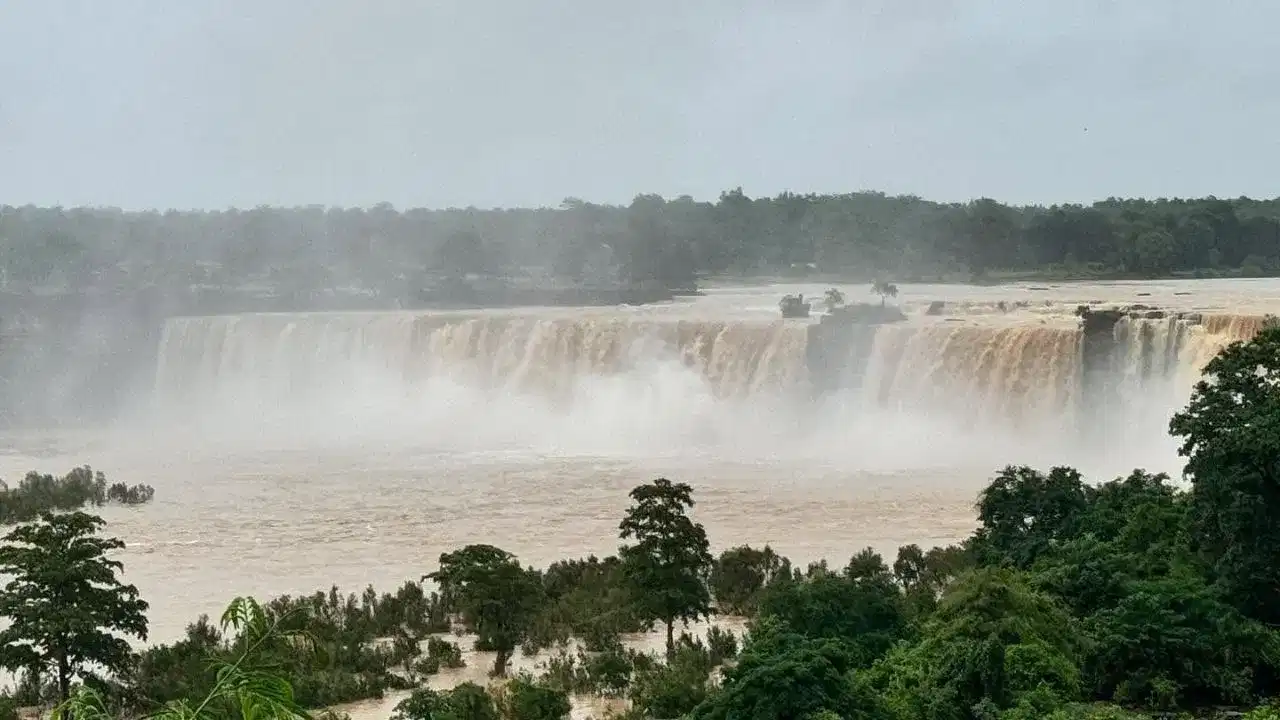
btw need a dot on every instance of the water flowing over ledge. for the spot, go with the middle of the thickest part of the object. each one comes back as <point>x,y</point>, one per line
<point>279,355</point>
<point>973,364</point>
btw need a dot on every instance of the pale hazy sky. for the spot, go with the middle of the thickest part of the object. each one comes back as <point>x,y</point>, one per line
<point>209,103</point>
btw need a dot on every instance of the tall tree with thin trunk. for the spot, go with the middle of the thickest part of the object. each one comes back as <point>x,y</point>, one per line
<point>66,608</point>
<point>667,566</point>
<point>885,290</point>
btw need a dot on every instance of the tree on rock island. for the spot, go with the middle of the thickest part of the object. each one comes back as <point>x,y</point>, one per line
<point>884,289</point>
<point>66,607</point>
<point>1230,436</point>
<point>667,566</point>
<point>496,597</point>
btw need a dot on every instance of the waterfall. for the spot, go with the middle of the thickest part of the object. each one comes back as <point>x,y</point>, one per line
<point>981,373</point>
<point>281,356</point>
<point>679,377</point>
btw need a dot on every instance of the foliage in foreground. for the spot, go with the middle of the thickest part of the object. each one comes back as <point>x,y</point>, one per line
<point>357,647</point>
<point>244,688</point>
<point>67,610</point>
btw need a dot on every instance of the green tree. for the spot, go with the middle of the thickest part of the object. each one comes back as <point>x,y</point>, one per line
<point>1230,433</point>
<point>987,237</point>
<point>909,567</point>
<point>467,701</point>
<point>785,674</point>
<point>1086,574</point>
<point>674,688</point>
<point>868,565</point>
<point>992,640</point>
<point>928,572</point>
<point>652,249</point>
<point>527,700</point>
<point>800,678</point>
<point>738,576</point>
<point>165,673</point>
<point>833,298</point>
<point>497,598</point>
<point>1114,506</point>
<point>667,566</point>
<point>884,290</point>
<point>1171,643</point>
<point>66,607</point>
<point>866,616</point>
<point>587,599</point>
<point>1022,512</point>
<point>1154,252</point>
<point>1133,529</point>
<point>425,704</point>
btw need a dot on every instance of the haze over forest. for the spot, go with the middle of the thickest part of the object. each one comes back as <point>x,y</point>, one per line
<point>156,105</point>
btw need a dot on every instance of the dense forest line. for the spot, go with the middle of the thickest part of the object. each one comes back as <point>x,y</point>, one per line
<point>652,241</point>
<point>1134,598</point>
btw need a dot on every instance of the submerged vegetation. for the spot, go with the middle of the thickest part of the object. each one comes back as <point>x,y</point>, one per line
<point>1137,597</point>
<point>38,493</point>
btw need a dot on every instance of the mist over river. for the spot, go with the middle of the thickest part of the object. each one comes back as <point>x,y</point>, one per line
<point>290,452</point>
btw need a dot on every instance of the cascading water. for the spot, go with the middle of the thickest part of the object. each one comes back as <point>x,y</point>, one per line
<point>980,373</point>
<point>280,356</point>
<point>1157,360</point>
<point>582,383</point>
<point>556,378</point>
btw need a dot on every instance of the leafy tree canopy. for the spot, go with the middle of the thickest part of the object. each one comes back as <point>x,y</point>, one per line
<point>1230,433</point>
<point>496,597</point>
<point>66,607</point>
<point>667,563</point>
